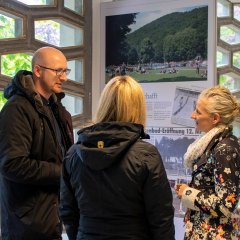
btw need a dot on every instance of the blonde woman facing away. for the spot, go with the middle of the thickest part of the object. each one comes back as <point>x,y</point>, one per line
<point>114,185</point>
<point>215,161</point>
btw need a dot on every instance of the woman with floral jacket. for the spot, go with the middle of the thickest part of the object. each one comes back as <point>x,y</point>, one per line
<point>214,158</point>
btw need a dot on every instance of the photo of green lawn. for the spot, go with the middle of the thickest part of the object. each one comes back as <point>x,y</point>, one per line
<point>171,47</point>
<point>186,74</point>
<point>181,75</point>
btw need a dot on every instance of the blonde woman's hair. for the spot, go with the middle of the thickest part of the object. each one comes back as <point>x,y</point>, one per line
<point>122,100</point>
<point>221,101</point>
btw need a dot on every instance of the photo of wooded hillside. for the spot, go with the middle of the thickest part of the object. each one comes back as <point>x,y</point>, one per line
<point>171,48</point>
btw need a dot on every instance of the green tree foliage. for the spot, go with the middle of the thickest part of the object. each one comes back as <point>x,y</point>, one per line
<point>12,63</point>
<point>116,46</point>
<point>45,30</point>
<point>146,51</point>
<point>236,59</point>
<point>181,46</point>
<point>132,56</point>
<point>7,27</point>
<point>177,24</point>
<point>2,100</point>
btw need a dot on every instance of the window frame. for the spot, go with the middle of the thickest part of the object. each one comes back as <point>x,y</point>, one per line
<point>27,43</point>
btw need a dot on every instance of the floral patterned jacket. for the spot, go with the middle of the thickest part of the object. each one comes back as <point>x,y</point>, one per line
<point>212,195</point>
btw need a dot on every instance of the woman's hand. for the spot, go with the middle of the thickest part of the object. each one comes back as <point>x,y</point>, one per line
<point>180,188</point>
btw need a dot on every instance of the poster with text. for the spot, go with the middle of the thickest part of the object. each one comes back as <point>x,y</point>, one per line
<point>169,48</point>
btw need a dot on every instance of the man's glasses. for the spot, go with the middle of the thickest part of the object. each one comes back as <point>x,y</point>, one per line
<point>59,72</point>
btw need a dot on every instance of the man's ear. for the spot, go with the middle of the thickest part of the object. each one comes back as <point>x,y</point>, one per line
<point>216,118</point>
<point>36,71</point>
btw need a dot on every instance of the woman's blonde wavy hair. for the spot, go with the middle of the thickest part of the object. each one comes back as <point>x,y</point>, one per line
<point>122,100</point>
<point>221,101</point>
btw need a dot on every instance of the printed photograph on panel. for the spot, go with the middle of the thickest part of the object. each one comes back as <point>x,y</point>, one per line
<point>183,105</point>
<point>172,143</point>
<point>158,46</point>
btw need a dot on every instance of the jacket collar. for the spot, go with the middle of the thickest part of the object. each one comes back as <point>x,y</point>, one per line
<point>102,144</point>
<point>23,84</point>
<point>219,137</point>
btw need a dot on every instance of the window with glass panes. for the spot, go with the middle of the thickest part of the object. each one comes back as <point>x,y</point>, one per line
<point>26,25</point>
<point>228,48</point>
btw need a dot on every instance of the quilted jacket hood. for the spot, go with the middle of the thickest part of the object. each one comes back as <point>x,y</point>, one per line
<point>23,84</point>
<point>105,143</point>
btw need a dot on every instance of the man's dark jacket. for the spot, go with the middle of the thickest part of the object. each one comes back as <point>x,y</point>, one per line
<point>30,162</point>
<point>114,186</point>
